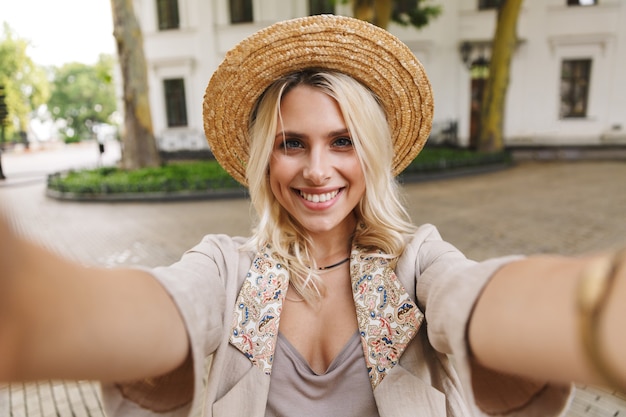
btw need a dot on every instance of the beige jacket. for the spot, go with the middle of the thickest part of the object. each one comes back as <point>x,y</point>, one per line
<point>432,275</point>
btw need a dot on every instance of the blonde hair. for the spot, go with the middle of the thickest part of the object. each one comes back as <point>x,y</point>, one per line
<point>383,223</point>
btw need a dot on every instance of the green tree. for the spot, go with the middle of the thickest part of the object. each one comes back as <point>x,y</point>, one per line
<point>25,84</point>
<point>491,138</point>
<point>416,13</point>
<point>83,96</point>
<point>140,149</point>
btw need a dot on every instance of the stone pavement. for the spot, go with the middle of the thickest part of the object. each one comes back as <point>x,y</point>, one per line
<point>569,207</point>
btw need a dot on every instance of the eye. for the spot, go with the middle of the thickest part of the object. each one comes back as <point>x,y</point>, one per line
<point>291,144</point>
<point>343,142</point>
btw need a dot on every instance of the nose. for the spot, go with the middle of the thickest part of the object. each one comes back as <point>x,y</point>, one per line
<point>317,168</point>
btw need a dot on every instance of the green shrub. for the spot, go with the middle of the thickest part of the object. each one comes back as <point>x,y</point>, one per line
<point>71,139</point>
<point>175,177</point>
<point>433,159</point>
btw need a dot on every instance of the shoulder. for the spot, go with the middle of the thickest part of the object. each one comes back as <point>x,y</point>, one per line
<point>222,249</point>
<point>221,246</point>
<point>426,247</point>
<point>216,258</point>
<point>215,244</point>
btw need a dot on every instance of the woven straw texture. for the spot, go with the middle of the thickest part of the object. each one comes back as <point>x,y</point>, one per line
<point>369,54</point>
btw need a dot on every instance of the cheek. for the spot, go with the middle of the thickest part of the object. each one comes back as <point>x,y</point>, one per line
<point>283,166</point>
<point>273,169</point>
<point>355,170</point>
<point>278,174</point>
<point>357,177</point>
<point>273,182</point>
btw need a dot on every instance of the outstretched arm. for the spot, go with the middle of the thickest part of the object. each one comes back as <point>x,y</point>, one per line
<point>528,320</point>
<point>59,319</point>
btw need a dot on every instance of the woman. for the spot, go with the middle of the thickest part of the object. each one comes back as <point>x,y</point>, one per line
<point>316,116</point>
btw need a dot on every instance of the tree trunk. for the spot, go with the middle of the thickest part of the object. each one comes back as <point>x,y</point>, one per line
<point>2,177</point>
<point>377,12</point>
<point>416,13</point>
<point>494,99</point>
<point>364,10</point>
<point>138,143</point>
<point>382,13</point>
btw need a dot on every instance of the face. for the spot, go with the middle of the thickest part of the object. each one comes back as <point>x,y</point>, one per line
<point>315,172</point>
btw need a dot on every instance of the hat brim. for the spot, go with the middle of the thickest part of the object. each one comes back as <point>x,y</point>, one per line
<point>371,55</point>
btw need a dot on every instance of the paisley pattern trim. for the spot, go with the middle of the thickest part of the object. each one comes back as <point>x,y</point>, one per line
<point>257,310</point>
<point>387,317</point>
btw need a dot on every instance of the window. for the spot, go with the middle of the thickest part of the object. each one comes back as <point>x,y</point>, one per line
<point>404,6</point>
<point>575,76</point>
<point>582,2</point>
<point>488,4</point>
<point>175,105</point>
<point>167,13</point>
<point>321,7</point>
<point>240,11</point>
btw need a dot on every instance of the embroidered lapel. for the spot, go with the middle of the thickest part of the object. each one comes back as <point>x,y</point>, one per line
<point>257,310</point>
<point>387,317</point>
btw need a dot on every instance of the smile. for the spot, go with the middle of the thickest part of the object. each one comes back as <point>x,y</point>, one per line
<point>319,198</point>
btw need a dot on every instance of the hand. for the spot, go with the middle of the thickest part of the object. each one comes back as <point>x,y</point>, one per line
<point>8,247</point>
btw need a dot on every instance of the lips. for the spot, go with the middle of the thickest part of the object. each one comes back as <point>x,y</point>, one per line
<point>318,198</point>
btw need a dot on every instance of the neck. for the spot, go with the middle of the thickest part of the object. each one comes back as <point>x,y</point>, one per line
<point>332,253</point>
<point>334,245</point>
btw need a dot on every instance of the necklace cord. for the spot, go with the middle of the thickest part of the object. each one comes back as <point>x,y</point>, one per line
<point>324,268</point>
<point>343,261</point>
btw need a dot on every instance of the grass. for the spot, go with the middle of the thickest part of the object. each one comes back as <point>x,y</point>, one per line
<point>200,176</point>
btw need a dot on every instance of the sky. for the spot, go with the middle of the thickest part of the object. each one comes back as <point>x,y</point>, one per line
<point>61,31</point>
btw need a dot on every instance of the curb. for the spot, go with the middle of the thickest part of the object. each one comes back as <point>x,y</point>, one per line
<point>150,197</point>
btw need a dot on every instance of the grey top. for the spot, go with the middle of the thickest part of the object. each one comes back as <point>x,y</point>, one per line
<point>343,390</point>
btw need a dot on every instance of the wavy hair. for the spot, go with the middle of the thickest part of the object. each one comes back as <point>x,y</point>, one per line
<point>383,222</point>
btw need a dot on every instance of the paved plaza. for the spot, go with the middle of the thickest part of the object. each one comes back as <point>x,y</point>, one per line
<point>569,207</point>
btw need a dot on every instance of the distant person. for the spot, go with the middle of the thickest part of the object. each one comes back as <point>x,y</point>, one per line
<point>101,139</point>
<point>337,305</point>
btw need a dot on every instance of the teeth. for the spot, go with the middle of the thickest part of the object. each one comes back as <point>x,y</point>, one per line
<point>319,198</point>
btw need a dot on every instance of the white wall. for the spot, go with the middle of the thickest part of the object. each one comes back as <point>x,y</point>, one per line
<point>549,32</point>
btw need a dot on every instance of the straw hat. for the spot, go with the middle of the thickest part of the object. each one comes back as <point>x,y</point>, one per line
<point>368,53</point>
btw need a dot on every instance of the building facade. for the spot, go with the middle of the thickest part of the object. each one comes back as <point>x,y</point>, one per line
<point>567,82</point>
